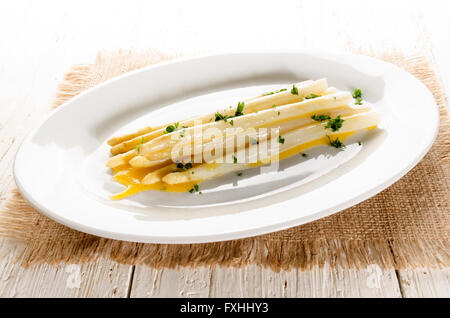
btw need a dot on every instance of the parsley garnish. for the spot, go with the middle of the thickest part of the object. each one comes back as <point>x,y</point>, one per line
<point>357,94</point>
<point>335,124</point>
<point>275,92</point>
<point>185,166</point>
<point>218,116</point>
<point>239,174</point>
<point>320,117</point>
<point>138,147</point>
<point>359,143</point>
<point>294,90</point>
<point>280,140</point>
<point>311,96</point>
<point>174,127</point>
<point>336,143</point>
<point>194,189</point>
<point>305,155</point>
<point>239,109</point>
<point>239,112</point>
<point>171,128</point>
<point>234,159</point>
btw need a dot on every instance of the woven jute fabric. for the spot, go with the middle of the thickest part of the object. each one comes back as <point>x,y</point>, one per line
<point>406,225</point>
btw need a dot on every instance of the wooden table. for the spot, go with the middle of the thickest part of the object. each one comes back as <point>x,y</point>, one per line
<point>40,40</point>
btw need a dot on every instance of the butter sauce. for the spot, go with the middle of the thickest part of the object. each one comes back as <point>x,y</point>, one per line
<point>131,177</point>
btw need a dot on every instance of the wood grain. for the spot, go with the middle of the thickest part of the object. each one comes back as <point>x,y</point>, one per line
<point>255,281</point>
<point>40,41</point>
<point>104,278</point>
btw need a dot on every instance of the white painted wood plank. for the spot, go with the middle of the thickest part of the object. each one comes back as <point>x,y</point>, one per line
<point>103,278</point>
<point>425,282</point>
<point>255,281</point>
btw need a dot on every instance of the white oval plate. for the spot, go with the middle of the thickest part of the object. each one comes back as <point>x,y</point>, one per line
<point>60,167</point>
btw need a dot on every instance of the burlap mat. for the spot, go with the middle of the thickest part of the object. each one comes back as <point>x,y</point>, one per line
<point>406,225</point>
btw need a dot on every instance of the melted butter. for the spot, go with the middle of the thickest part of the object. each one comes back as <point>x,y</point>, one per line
<point>131,178</point>
<point>319,142</point>
<point>300,148</point>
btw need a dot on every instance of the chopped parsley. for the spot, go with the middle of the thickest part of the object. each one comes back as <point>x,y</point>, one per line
<point>163,188</point>
<point>239,112</point>
<point>320,117</point>
<point>174,127</point>
<point>239,174</point>
<point>275,92</point>
<point>194,189</point>
<point>294,90</point>
<point>234,159</point>
<point>359,143</point>
<point>357,94</point>
<point>219,116</point>
<point>185,166</point>
<point>273,106</point>
<point>280,140</point>
<point>334,124</point>
<point>305,155</point>
<point>279,113</point>
<point>311,96</point>
<point>239,109</point>
<point>336,143</point>
<point>138,147</point>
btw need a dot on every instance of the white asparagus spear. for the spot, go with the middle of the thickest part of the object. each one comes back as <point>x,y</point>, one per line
<point>292,139</point>
<point>125,137</point>
<point>161,147</point>
<point>119,139</point>
<point>265,118</point>
<point>283,127</point>
<point>156,175</point>
<point>256,104</point>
